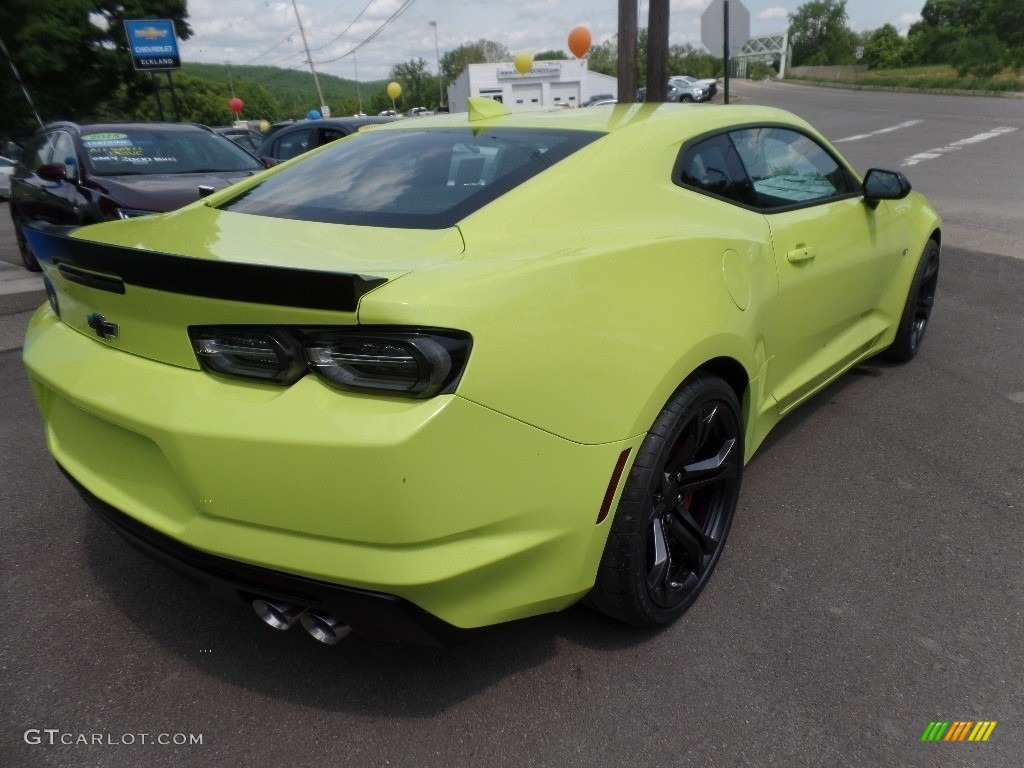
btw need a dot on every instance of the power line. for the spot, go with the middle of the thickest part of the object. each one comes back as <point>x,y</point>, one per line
<point>277,45</point>
<point>346,29</point>
<point>393,17</point>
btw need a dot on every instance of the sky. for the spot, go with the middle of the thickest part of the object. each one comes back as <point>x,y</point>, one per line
<point>265,31</point>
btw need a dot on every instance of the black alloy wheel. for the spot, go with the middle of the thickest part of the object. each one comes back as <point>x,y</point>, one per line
<point>676,509</point>
<point>27,257</point>
<point>918,309</point>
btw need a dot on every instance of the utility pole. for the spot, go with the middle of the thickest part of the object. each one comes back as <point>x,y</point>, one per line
<point>657,50</point>
<point>437,52</point>
<point>627,51</point>
<point>309,58</point>
<point>725,51</point>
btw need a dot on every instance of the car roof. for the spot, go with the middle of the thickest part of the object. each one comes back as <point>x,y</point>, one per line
<point>340,122</point>
<point>110,127</point>
<point>682,120</point>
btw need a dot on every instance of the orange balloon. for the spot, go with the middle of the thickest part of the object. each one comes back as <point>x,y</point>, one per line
<point>579,41</point>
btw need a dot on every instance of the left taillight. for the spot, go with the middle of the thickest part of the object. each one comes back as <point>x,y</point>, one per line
<point>239,352</point>
<point>407,362</point>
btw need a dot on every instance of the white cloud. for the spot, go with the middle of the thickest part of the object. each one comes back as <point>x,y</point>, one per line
<point>775,12</point>
<point>907,19</point>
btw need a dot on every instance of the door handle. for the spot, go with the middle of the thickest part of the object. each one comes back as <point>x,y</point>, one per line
<point>801,255</point>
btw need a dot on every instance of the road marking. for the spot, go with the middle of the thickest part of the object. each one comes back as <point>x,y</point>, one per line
<point>931,154</point>
<point>890,129</point>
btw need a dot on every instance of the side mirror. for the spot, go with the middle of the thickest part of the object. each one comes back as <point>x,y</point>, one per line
<point>880,184</point>
<point>268,161</point>
<point>52,172</point>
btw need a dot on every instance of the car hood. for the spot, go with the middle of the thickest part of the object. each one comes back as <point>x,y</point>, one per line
<point>163,191</point>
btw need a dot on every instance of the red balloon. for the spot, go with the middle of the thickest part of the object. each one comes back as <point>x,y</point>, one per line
<point>579,41</point>
<point>236,105</point>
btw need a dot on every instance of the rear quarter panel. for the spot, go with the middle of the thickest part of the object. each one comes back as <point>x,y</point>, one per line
<point>594,290</point>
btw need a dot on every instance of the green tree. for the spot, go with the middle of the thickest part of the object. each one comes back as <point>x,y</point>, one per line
<point>974,35</point>
<point>73,54</point>
<point>419,85</point>
<point>206,101</point>
<point>482,51</point>
<point>982,55</point>
<point>819,34</point>
<point>604,57</point>
<point>884,48</point>
<point>551,56</point>
<point>687,60</point>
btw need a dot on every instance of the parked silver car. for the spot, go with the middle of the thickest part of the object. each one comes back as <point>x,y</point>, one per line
<point>685,84</point>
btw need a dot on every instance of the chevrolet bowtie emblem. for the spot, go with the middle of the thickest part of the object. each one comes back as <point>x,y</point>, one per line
<point>103,328</point>
<point>151,33</point>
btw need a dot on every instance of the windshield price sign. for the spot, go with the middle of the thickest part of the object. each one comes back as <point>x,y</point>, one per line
<point>153,44</point>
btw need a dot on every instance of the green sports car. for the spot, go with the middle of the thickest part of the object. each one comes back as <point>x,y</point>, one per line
<point>461,370</point>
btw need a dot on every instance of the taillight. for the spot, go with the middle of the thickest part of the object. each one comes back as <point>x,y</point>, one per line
<point>393,361</point>
<point>240,352</point>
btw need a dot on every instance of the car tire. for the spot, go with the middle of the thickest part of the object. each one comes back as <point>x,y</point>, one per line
<point>685,98</point>
<point>27,257</point>
<point>918,309</point>
<point>676,508</point>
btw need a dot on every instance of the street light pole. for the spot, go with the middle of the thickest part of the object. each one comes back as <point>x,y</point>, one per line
<point>359,93</point>
<point>437,52</point>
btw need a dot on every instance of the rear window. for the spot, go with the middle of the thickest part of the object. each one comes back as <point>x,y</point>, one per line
<point>420,179</point>
<point>126,150</point>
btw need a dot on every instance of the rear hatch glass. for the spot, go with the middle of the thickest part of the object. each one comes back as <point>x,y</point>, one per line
<point>425,179</point>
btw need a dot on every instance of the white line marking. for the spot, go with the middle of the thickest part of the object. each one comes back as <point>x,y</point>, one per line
<point>931,154</point>
<point>890,129</point>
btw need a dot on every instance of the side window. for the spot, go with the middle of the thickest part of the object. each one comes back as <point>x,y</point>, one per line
<point>291,145</point>
<point>788,168</point>
<point>714,166</point>
<point>38,152</point>
<point>63,149</point>
<point>326,135</point>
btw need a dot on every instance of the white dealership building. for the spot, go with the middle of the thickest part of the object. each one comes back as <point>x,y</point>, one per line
<point>547,84</point>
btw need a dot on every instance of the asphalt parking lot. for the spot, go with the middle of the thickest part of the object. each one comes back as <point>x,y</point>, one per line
<point>872,582</point>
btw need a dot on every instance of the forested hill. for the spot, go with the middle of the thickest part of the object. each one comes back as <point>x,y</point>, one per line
<point>293,88</point>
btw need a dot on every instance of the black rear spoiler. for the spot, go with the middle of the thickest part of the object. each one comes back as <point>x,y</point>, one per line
<point>112,267</point>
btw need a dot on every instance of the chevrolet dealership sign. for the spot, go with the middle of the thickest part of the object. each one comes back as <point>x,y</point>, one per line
<point>153,44</point>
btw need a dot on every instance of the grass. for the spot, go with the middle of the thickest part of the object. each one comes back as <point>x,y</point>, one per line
<point>936,77</point>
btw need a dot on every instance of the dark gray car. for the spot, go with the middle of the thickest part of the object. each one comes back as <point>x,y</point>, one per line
<point>305,135</point>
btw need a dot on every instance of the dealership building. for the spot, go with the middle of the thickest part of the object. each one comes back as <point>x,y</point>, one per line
<point>548,84</point>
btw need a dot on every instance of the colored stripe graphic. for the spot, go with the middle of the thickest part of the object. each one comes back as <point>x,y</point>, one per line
<point>959,730</point>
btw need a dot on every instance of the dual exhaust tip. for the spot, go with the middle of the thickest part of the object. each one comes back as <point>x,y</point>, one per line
<point>322,626</point>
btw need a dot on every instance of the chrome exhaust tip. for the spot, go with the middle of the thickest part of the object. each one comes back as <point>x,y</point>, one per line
<point>277,614</point>
<point>323,627</point>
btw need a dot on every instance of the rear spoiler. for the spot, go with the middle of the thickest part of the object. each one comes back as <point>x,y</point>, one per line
<point>112,267</point>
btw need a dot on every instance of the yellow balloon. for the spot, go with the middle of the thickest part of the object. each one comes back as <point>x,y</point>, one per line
<point>264,126</point>
<point>524,62</point>
<point>394,90</point>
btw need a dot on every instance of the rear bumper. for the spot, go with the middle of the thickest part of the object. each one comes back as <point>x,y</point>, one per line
<point>375,615</point>
<point>470,516</point>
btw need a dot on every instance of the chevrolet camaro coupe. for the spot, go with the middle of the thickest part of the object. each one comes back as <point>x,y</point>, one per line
<point>450,372</point>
